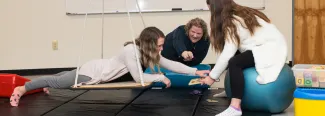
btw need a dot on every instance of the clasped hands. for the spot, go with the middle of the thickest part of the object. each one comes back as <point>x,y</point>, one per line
<point>188,56</point>
<point>204,79</point>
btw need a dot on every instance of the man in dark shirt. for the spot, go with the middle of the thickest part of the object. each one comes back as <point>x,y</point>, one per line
<point>188,44</point>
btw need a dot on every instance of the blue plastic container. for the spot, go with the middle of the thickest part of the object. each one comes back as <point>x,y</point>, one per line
<point>310,93</point>
<point>309,102</point>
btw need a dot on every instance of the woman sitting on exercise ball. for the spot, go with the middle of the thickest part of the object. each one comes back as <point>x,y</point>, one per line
<point>235,27</point>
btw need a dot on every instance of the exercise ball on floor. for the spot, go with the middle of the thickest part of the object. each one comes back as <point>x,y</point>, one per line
<point>273,97</point>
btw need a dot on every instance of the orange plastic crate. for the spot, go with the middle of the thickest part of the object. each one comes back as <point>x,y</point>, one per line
<point>8,82</point>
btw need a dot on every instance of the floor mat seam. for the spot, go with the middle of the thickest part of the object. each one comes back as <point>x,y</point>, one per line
<point>131,101</point>
<point>63,103</point>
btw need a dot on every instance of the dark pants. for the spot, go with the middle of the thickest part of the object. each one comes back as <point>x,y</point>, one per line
<point>235,68</point>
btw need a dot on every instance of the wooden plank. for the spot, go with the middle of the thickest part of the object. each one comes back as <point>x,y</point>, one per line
<point>116,85</point>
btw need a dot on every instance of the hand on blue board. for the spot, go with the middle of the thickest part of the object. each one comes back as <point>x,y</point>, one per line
<point>167,82</point>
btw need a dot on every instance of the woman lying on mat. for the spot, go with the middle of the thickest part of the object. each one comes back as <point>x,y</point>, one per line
<point>261,45</point>
<point>149,45</point>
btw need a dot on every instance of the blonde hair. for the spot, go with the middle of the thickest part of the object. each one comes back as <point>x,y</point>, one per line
<point>147,43</point>
<point>198,22</point>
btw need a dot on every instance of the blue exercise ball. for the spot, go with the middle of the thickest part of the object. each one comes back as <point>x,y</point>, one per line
<point>274,97</point>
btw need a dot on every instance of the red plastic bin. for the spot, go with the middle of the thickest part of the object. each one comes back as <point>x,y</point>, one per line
<point>8,82</point>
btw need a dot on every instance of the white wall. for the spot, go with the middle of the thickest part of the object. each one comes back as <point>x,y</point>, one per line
<point>29,27</point>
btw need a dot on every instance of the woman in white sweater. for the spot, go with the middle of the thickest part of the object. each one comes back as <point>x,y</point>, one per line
<point>235,27</point>
<point>148,46</point>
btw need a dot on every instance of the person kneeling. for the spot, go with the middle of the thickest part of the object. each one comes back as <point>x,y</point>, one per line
<point>188,44</point>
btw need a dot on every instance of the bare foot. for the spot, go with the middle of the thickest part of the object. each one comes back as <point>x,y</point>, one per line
<point>17,93</point>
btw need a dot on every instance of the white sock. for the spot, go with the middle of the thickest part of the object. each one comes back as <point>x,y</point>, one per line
<point>222,94</point>
<point>231,111</point>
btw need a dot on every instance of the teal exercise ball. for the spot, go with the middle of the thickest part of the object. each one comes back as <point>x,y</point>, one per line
<point>273,97</point>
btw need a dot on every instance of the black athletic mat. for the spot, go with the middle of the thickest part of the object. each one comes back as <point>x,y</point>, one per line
<point>124,102</point>
<point>38,103</point>
<point>76,109</point>
<point>173,102</point>
<point>97,103</point>
<point>121,96</point>
<point>206,108</point>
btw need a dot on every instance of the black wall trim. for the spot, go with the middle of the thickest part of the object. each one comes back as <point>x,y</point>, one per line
<point>48,71</point>
<point>28,72</point>
<point>290,63</point>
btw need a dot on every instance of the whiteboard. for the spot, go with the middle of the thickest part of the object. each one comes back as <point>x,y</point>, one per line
<point>122,6</point>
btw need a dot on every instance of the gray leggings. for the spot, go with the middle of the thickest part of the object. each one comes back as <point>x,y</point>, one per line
<point>62,80</point>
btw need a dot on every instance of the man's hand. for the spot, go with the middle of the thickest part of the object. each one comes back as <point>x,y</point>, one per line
<point>187,55</point>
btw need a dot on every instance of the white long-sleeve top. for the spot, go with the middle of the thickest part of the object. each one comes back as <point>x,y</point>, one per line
<point>268,46</point>
<point>105,70</point>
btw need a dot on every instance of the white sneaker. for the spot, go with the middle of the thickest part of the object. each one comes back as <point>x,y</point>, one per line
<point>230,111</point>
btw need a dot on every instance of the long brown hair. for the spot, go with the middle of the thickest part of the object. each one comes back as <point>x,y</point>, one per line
<point>147,43</point>
<point>222,25</point>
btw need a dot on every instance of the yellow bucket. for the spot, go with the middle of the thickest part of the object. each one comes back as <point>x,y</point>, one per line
<point>309,102</point>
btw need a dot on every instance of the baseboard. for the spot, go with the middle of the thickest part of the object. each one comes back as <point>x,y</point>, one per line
<point>45,71</point>
<point>48,71</point>
<point>290,63</point>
